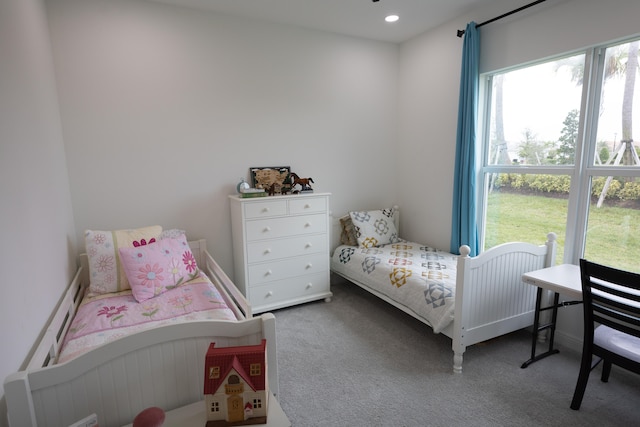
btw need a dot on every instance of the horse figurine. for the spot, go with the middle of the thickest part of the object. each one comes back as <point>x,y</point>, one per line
<point>302,182</point>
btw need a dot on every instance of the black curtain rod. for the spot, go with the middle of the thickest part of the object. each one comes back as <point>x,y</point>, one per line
<point>526,6</point>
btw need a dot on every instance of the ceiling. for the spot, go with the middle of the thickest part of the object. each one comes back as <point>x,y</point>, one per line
<point>360,18</point>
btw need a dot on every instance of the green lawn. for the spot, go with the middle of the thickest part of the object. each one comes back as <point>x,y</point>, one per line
<point>613,236</point>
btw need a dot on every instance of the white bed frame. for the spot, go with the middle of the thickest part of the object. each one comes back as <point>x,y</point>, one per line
<point>491,298</point>
<point>161,367</point>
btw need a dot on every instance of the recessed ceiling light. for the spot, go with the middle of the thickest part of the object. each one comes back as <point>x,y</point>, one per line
<point>392,18</point>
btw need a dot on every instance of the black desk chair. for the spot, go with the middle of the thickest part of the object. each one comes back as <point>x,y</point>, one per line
<point>611,298</point>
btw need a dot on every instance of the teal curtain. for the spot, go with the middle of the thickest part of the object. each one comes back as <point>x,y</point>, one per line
<point>464,229</point>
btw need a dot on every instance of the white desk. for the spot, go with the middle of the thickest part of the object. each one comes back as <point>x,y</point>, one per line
<point>194,415</point>
<point>563,279</point>
<point>560,279</point>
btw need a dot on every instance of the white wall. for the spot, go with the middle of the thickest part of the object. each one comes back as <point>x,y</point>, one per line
<point>164,108</point>
<point>429,82</point>
<point>36,220</point>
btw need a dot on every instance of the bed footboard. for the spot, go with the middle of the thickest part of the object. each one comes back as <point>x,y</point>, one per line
<point>491,298</point>
<point>161,367</point>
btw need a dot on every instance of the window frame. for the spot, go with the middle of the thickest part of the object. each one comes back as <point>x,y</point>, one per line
<point>584,168</point>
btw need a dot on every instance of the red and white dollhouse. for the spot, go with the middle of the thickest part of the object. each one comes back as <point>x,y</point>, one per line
<point>235,385</point>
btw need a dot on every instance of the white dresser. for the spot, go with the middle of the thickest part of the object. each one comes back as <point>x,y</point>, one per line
<point>281,249</point>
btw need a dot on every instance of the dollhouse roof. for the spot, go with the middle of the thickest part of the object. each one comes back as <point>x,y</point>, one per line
<point>238,358</point>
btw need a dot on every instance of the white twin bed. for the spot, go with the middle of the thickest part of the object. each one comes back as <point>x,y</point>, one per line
<point>469,299</point>
<point>117,373</point>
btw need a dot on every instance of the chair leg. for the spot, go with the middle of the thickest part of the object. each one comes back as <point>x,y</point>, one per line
<point>583,378</point>
<point>606,370</point>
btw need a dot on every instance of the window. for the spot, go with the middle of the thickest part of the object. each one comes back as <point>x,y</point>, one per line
<point>255,369</point>
<point>214,372</point>
<point>558,155</point>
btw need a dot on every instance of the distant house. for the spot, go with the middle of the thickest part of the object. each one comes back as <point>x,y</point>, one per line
<point>235,385</point>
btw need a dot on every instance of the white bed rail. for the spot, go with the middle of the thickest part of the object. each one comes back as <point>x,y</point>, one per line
<point>232,295</point>
<point>47,351</point>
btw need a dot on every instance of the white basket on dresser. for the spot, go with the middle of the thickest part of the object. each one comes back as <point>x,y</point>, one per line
<point>281,249</point>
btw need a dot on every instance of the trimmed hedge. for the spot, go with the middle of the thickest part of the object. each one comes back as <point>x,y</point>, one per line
<point>559,184</point>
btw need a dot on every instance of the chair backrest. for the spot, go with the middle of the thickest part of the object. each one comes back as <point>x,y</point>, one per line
<point>611,298</point>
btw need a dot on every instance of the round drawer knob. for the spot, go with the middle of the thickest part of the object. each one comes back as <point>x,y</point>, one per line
<point>308,224</point>
<point>309,265</point>
<point>265,210</point>
<point>307,206</point>
<point>267,229</point>
<point>267,251</point>
<point>268,273</point>
<point>308,245</point>
<point>269,294</point>
<point>309,285</point>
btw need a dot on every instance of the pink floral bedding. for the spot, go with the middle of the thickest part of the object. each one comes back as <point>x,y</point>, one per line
<point>104,318</point>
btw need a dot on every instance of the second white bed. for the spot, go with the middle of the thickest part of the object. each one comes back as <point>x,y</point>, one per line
<point>469,299</point>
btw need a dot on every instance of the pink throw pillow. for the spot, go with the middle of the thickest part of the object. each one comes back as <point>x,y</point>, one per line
<point>158,267</point>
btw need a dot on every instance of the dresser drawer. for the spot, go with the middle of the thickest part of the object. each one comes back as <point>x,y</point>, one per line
<point>287,226</point>
<point>267,250</point>
<point>289,289</point>
<point>291,267</point>
<point>265,209</point>
<point>308,205</point>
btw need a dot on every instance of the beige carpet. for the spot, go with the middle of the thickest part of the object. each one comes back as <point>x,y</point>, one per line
<point>357,361</point>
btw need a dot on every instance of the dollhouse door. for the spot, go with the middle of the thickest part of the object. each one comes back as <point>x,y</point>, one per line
<point>235,407</point>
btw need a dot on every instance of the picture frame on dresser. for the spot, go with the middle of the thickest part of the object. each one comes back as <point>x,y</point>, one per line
<point>281,249</point>
<point>264,177</point>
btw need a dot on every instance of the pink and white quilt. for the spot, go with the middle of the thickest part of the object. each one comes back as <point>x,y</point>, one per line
<point>104,318</point>
<point>420,278</point>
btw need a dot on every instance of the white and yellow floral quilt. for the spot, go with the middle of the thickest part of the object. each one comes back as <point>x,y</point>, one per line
<point>418,277</point>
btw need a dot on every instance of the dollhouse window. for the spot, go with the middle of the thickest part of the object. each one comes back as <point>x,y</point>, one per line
<point>215,407</point>
<point>257,403</point>
<point>255,369</point>
<point>214,372</point>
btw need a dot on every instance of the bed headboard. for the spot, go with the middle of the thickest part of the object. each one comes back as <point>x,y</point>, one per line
<point>336,227</point>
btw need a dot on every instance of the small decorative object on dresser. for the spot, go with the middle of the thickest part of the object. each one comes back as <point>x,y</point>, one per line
<point>304,183</point>
<point>242,186</point>
<point>245,191</point>
<point>281,249</point>
<point>274,179</point>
